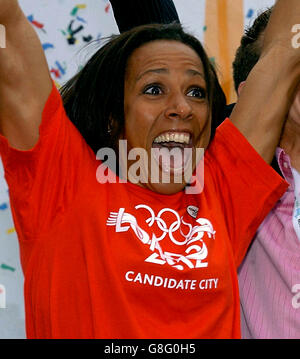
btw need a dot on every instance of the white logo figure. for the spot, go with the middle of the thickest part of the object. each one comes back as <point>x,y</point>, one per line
<point>196,250</point>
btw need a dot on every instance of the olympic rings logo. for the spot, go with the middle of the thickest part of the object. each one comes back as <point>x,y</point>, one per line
<point>196,250</point>
<point>194,233</point>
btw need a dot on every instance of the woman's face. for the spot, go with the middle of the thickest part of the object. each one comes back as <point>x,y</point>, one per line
<point>166,109</point>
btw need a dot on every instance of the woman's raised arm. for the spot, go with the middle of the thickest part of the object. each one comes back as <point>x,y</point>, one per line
<point>25,82</point>
<point>269,90</point>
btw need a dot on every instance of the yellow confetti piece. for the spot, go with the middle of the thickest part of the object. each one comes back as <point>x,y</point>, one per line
<point>11,230</point>
<point>58,86</point>
<point>81,6</point>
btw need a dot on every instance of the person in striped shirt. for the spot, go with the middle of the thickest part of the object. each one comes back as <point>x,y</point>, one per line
<point>269,277</point>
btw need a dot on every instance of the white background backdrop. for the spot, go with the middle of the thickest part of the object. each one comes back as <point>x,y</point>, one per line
<point>51,19</point>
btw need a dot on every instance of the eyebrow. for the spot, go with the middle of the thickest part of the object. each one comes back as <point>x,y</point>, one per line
<point>166,71</point>
<point>195,73</point>
<point>155,71</point>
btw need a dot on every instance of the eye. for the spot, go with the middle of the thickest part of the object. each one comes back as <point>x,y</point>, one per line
<point>153,90</point>
<point>197,92</point>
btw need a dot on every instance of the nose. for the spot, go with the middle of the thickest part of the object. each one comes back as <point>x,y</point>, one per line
<point>178,107</point>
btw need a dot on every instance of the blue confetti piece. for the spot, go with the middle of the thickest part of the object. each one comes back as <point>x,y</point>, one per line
<point>99,37</point>
<point>48,46</point>
<point>3,206</point>
<point>250,13</point>
<point>61,69</point>
<point>81,19</point>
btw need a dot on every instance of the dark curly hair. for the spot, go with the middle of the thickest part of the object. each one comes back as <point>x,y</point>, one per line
<point>248,53</point>
<point>95,96</point>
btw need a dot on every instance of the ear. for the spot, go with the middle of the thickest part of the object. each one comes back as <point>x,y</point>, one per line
<point>114,129</point>
<point>111,125</point>
<point>240,88</point>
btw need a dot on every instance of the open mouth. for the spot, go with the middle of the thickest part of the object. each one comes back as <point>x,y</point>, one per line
<point>173,151</point>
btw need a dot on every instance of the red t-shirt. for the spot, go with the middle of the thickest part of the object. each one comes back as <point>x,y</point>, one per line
<point>115,260</point>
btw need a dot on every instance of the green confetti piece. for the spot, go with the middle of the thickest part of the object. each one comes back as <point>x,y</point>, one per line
<point>7,267</point>
<point>204,28</point>
<point>213,60</point>
<point>74,11</point>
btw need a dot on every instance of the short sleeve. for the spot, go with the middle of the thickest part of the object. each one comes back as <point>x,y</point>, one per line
<point>247,186</point>
<point>43,181</point>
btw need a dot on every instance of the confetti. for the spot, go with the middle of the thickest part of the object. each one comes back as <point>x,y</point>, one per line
<point>60,68</point>
<point>74,11</point>
<point>7,267</point>
<point>87,38</point>
<point>36,23</point>
<point>76,8</point>
<point>55,72</point>
<point>213,60</point>
<point>81,19</point>
<point>71,31</point>
<point>57,84</point>
<point>2,297</point>
<point>48,46</point>
<point>71,39</point>
<point>3,206</point>
<point>10,230</point>
<point>250,13</point>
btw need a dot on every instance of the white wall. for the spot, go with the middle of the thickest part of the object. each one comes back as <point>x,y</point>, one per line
<point>64,60</point>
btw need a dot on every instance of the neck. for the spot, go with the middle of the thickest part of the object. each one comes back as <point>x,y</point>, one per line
<point>290,142</point>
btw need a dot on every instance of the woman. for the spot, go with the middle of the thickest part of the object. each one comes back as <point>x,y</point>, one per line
<point>138,259</point>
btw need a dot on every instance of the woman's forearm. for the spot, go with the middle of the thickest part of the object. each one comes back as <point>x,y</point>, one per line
<point>266,98</point>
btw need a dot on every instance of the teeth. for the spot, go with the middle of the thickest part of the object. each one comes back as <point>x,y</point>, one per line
<point>173,137</point>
